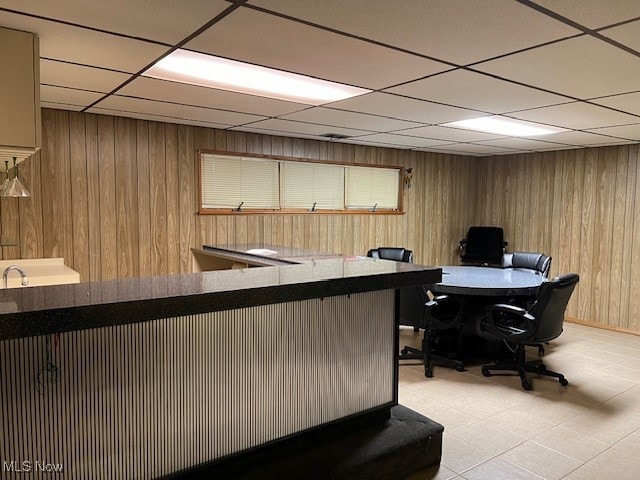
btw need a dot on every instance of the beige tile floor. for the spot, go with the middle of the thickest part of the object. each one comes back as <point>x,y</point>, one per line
<point>495,430</point>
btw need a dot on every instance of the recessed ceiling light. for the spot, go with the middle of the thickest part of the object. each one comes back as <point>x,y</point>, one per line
<point>215,72</point>
<point>505,126</point>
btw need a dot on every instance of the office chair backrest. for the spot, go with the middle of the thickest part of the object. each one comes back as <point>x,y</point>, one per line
<point>445,312</point>
<point>483,245</point>
<point>412,306</point>
<point>536,262</point>
<point>398,254</point>
<point>550,306</point>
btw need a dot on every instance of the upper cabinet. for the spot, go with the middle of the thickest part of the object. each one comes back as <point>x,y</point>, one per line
<point>20,124</point>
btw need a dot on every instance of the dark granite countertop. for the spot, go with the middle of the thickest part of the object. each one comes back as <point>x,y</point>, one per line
<point>33,311</point>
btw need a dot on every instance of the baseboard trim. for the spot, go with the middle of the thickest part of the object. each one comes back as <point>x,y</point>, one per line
<point>600,325</point>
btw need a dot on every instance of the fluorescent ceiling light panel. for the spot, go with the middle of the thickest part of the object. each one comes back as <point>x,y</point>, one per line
<point>505,126</point>
<point>215,72</point>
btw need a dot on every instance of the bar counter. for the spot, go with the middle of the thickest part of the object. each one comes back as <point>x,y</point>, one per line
<point>146,377</point>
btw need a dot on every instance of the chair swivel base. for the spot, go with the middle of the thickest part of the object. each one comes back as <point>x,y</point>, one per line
<point>535,367</point>
<point>411,353</point>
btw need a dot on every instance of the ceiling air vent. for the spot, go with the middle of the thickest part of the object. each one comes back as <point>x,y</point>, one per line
<point>335,136</point>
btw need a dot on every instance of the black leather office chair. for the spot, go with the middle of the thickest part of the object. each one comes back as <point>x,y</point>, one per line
<point>535,262</point>
<point>399,254</point>
<point>518,328</point>
<point>434,316</point>
<point>483,246</point>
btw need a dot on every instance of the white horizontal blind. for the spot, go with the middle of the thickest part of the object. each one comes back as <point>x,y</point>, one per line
<point>228,182</point>
<point>305,184</point>
<point>369,187</point>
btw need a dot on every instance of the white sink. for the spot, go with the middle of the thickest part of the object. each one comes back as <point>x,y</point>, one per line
<point>40,272</point>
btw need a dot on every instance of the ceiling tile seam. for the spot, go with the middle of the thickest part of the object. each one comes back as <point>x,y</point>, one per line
<point>435,102</point>
<point>418,79</point>
<point>576,99</point>
<point>67,62</point>
<point>617,24</point>
<point>522,50</point>
<point>588,102</point>
<point>571,23</point>
<point>188,38</point>
<point>583,130</point>
<point>154,100</point>
<point>85,27</point>
<point>349,35</point>
<point>157,115</point>
<point>70,88</point>
<point>62,103</point>
<point>387,117</point>
<point>310,123</point>
<point>612,96</point>
<point>523,138</point>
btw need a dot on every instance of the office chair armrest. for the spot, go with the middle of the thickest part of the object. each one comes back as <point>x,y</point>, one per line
<point>508,322</point>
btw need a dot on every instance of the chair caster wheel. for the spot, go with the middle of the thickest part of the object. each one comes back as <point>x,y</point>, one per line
<point>564,382</point>
<point>428,373</point>
<point>459,368</point>
<point>526,385</point>
<point>540,351</point>
<point>486,372</point>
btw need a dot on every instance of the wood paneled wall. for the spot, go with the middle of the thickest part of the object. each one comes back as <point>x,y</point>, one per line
<point>582,207</point>
<point>117,197</point>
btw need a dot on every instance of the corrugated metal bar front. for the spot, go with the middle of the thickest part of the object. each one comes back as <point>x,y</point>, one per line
<point>147,399</point>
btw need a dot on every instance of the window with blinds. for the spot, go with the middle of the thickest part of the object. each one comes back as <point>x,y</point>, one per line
<point>313,186</point>
<point>239,182</point>
<point>242,183</point>
<point>371,188</point>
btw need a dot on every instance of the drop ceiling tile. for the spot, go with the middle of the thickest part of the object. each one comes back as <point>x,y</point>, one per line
<point>443,150</point>
<point>593,13</point>
<point>580,138</point>
<point>580,67</point>
<point>362,141</point>
<point>154,89</point>
<point>399,140</point>
<point>448,133</point>
<point>340,118</point>
<point>86,47</point>
<point>68,96</point>
<point>456,30</point>
<point>62,74</point>
<point>278,133</point>
<point>61,106</point>
<point>160,20</point>
<point>480,148</point>
<point>156,118</point>
<point>628,102</point>
<point>632,132</point>
<point>576,115</point>
<point>525,144</point>
<point>292,46</point>
<point>478,91</point>
<point>628,34</point>
<point>404,108</point>
<point>133,105</point>
<point>280,126</point>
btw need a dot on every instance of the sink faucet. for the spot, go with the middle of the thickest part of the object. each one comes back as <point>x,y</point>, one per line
<point>5,275</point>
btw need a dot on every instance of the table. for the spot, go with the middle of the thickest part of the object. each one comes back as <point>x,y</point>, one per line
<point>472,281</point>
<point>481,286</point>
